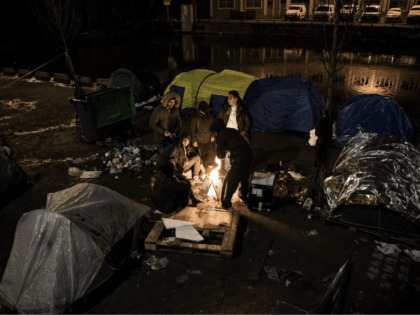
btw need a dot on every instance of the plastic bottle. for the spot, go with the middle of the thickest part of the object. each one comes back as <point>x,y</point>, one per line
<point>307,204</point>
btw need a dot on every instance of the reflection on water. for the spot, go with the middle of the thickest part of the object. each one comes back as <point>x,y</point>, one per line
<point>389,70</point>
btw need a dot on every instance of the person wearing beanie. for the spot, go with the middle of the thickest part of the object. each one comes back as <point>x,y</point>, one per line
<point>182,156</point>
<point>169,192</point>
<point>201,137</point>
<point>235,115</point>
<point>241,158</point>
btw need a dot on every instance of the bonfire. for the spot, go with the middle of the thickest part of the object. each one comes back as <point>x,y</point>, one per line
<point>214,178</point>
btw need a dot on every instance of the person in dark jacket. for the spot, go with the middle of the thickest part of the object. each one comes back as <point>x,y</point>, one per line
<point>165,121</point>
<point>201,136</point>
<point>170,192</point>
<point>182,156</point>
<point>241,158</point>
<point>235,115</point>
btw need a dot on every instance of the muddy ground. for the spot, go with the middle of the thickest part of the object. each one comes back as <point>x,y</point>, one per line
<point>379,284</point>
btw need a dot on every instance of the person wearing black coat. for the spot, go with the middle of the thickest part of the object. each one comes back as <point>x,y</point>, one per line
<point>201,136</point>
<point>235,115</point>
<point>241,158</point>
<point>170,192</point>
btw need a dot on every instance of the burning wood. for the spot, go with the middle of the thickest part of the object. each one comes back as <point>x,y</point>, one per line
<point>212,185</point>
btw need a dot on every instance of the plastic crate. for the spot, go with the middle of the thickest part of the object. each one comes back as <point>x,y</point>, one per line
<point>106,112</point>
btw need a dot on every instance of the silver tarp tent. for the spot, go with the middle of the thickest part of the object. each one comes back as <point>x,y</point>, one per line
<point>58,252</point>
<point>376,169</point>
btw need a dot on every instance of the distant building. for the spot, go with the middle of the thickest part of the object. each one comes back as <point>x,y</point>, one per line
<point>272,9</point>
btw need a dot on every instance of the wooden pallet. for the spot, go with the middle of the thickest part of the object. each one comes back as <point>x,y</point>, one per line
<point>221,224</point>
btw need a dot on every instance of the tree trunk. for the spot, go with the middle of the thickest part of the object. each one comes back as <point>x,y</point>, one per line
<point>79,90</point>
<point>333,55</point>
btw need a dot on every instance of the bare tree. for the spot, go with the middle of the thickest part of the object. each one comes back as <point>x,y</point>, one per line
<point>343,29</point>
<point>61,21</point>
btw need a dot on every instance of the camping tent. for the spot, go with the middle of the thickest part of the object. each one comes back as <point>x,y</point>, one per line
<point>375,113</point>
<point>284,103</point>
<point>374,170</point>
<point>187,84</point>
<point>198,85</point>
<point>123,77</point>
<point>59,253</point>
<point>13,180</point>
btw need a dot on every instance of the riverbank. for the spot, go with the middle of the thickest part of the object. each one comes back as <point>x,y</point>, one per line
<point>365,32</point>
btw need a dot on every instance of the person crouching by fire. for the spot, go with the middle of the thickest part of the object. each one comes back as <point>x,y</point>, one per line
<point>241,158</point>
<point>183,157</point>
<point>166,121</point>
<point>169,192</point>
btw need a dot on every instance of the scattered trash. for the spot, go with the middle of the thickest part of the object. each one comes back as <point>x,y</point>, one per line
<point>414,254</point>
<point>136,255</point>
<point>272,273</point>
<point>312,233</point>
<point>296,176</point>
<point>312,140</point>
<point>307,204</point>
<point>246,232</point>
<point>74,171</point>
<point>271,252</point>
<point>157,264</point>
<point>363,239</point>
<point>91,174</point>
<point>387,248</point>
<point>116,177</point>
<point>194,272</point>
<point>287,283</point>
<point>171,224</point>
<point>182,279</point>
<point>189,233</point>
<point>309,216</point>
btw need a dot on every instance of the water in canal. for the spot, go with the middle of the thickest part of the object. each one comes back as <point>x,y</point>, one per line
<point>389,70</point>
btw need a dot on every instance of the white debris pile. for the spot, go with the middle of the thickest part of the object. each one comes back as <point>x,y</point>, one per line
<point>129,156</point>
<point>150,100</point>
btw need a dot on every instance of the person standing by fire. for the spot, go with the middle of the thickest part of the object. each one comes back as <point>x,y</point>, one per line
<point>235,115</point>
<point>241,158</point>
<point>201,136</point>
<point>165,121</point>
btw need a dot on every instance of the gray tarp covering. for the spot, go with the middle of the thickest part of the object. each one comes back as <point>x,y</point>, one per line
<point>57,252</point>
<point>376,169</point>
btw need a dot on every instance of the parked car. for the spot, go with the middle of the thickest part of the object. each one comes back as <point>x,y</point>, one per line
<point>349,12</point>
<point>414,15</point>
<point>324,12</point>
<point>372,13</point>
<point>296,12</point>
<point>394,15</point>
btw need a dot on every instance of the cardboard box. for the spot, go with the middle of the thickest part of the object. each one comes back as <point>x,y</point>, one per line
<point>261,192</point>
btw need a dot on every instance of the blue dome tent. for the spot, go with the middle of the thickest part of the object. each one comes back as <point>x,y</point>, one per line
<point>284,103</point>
<point>374,113</point>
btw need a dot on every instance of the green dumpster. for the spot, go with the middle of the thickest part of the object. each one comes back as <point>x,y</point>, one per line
<point>106,112</point>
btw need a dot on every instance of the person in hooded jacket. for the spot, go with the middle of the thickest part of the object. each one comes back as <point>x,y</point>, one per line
<point>182,156</point>
<point>201,136</point>
<point>169,192</point>
<point>165,121</point>
<point>235,115</point>
<point>241,158</point>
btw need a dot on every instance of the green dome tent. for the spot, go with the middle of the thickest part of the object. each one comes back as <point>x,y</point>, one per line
<point>198,85</point>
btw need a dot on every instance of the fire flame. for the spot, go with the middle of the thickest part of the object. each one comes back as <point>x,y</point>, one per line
<point>214,175</point>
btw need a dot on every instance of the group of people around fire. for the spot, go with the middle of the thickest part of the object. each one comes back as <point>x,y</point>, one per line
<point>226,136</point>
